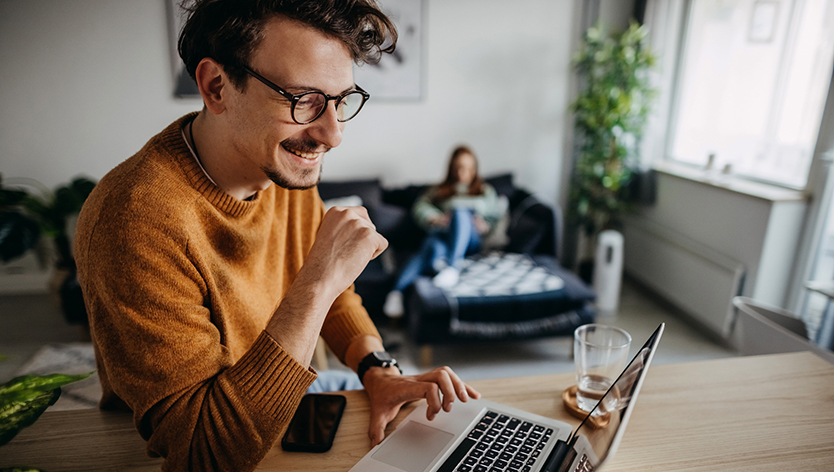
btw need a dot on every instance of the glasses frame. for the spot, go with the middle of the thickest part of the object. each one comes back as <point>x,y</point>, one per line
<point>294,99</point>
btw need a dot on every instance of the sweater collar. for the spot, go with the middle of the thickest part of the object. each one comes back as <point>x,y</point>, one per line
<point>173,141</point>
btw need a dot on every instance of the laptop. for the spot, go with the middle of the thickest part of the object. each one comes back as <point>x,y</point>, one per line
<point>484,436</point>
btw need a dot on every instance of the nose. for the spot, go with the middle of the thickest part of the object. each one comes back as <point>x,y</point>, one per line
<point>327,129</point>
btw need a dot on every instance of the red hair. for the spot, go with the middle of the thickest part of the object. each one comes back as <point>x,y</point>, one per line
<point>447,189</point>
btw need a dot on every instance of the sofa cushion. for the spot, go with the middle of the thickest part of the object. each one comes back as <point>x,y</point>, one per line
<point>370,190</point>
<point>436,317</point>
<point>502,183</point>
<point>404,196</point>
<point>391,221</point>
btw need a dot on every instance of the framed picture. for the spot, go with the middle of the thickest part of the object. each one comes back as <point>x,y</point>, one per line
<point>398,76</point>
<point>184,85</point>
<point>763,21</point>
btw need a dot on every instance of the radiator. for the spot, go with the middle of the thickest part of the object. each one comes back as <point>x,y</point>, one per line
<point>697,279</point>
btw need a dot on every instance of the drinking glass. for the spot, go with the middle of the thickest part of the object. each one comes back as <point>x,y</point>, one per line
<point>600,353</point>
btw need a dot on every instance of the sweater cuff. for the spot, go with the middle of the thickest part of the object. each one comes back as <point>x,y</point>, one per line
<point>271,378</point>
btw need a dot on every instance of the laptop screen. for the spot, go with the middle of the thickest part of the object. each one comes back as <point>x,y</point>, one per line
<point>597,436</point>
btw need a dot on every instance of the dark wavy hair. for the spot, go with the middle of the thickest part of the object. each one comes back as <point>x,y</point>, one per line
<point>447,189</point>
<point>228,31</point>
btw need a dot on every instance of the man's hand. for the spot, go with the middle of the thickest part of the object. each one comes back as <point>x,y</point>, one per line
<point>346,241</point>
<point>388,391</point>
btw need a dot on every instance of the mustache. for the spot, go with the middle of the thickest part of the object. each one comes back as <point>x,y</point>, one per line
<point>303,145</point>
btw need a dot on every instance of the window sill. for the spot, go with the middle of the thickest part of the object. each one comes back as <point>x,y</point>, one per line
<point>731,183</point>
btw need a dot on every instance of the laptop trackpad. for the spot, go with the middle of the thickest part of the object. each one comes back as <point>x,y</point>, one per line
<point>413,447</point>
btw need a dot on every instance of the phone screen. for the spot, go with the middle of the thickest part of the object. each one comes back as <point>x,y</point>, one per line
<point>313,427</point>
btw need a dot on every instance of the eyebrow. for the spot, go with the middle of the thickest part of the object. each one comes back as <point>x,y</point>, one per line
<point>297,89</point>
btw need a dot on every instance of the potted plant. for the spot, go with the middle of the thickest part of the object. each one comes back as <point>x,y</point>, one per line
<point>18,232</point>
<point>24,399</point>
<point>25,217</point>
<point>609,113</point>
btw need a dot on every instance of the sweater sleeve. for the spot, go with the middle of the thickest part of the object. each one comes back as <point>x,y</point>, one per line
<point>346,320</point>
<point>494,206</point>
<point>424,209</point>
<point>164,357</point>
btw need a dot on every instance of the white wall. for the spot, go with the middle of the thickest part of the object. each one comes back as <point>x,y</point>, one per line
<point>84,83</point>
<point>756,228</point>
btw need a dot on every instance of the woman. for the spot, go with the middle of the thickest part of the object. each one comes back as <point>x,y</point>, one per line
<point>456,214</point>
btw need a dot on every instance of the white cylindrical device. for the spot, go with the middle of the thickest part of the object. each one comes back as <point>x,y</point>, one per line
<point>608,271</point>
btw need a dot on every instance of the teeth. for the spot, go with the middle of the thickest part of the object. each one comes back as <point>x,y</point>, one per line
<point>306,155</point>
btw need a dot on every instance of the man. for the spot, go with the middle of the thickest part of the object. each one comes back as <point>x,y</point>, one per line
<point>208,265</point>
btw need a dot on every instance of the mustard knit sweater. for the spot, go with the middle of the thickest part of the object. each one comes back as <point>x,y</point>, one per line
<point>179,280</point>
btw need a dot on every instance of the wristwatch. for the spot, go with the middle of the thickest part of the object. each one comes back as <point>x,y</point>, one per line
<point>376,359</point>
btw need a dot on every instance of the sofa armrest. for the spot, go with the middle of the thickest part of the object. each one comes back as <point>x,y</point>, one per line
<point>534,225</point>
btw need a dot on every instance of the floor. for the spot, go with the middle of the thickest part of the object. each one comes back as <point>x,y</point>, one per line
<point>640,313</point>
<point>27,322</point>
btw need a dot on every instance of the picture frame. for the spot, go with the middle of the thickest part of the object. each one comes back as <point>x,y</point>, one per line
<point>183,85</point>
<point>398,76</point>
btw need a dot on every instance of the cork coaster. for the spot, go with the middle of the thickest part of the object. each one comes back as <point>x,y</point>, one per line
<point>569,399</point>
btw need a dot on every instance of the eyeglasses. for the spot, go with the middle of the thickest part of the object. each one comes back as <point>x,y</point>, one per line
<point>308,106</point>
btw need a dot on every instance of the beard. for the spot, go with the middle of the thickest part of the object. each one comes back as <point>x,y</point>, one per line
<point>300,181</point>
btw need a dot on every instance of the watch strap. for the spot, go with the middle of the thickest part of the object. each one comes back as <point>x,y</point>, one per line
<point>372,361</point>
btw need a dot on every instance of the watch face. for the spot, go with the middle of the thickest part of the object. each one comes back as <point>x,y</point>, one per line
<point>383,356</point>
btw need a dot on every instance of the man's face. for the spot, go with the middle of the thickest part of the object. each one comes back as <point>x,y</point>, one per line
<point>298,59</point>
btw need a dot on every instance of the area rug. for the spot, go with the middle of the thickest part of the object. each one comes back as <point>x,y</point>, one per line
<point>70,358</point>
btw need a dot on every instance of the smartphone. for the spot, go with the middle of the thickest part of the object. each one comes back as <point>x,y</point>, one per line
<point>314,424</point>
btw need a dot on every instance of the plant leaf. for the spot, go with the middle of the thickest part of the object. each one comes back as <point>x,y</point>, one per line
<point>12,420</point>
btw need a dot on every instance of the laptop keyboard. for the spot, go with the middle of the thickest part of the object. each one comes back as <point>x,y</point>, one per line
<point>499,443</point>
<point>584,465</point>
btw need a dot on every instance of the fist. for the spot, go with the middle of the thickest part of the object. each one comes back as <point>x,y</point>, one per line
<point>346,241</point>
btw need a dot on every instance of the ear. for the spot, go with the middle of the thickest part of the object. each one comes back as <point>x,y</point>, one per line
<point>213,83</point>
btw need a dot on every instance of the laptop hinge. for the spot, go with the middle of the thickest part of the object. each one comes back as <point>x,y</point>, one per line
<point>560,457</point>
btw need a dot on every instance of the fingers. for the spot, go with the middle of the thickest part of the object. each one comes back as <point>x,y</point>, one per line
<point>376,429</point>
<point>360,213</point>
<point>433,400</point>
<point>382,245</point>
<point>381,242</point>
<point>444,386</point>
<point>438,387</point>
<point>447,387</point>
<point>457,387</point>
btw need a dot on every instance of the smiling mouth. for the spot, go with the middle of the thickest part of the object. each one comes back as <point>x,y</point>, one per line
<point>304,154</point>
<point>310,156</point>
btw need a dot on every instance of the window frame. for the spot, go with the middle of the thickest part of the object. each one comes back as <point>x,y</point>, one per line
<point>674,112</point>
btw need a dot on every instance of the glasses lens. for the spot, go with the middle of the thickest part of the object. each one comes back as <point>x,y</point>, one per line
<point>350,105</point>
<point>309,107</point>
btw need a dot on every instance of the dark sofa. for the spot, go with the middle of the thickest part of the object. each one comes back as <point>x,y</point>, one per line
<point>533,227</point>
<point>533,230</point>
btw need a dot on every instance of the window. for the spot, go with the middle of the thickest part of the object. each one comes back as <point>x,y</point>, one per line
<point>754,75</point>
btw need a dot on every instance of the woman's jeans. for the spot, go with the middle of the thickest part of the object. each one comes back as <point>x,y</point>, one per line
<point>443,247</point>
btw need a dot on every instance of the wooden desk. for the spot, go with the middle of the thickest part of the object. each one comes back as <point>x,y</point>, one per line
<point>763,413</point>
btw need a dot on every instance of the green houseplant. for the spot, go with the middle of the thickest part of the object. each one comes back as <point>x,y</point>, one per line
<point>24,399</point>
<point>609,113</point>
<point>27,215</point>
<point>18,232</point>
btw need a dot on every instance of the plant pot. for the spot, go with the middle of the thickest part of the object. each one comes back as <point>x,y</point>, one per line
<point>66,294</point>
<point>585,270</point>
